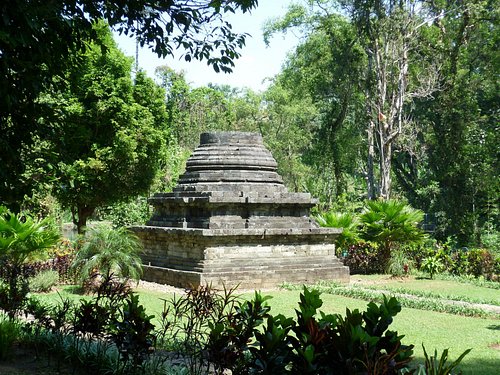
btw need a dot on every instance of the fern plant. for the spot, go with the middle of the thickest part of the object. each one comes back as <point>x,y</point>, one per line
<point>108,252</point>
<point>349,223</point>
<point>391,224</point>
<point>21,237</point>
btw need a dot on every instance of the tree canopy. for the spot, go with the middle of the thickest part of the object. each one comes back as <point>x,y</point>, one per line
<point>40,39</point>
<point>108,131</point>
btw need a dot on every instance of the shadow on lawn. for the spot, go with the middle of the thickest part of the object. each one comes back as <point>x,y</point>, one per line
<point>422,278</point>
<point>74,289</point>
<point>494,327</point>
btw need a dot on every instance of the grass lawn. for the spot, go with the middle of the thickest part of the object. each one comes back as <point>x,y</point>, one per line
<point>441,287</point>
<point>436,330</point>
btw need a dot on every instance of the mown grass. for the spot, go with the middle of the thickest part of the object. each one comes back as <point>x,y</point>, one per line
<point>435,330</point>
<point>460,291</point>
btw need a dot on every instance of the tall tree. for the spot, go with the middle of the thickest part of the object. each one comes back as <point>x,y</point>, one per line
<point>108,131</point>
<point>39,40</point>
<point>326,66</point>
<point>462,120</point>
<point>389,31</point>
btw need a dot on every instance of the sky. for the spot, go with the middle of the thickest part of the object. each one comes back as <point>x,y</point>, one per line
<point>257,62</point>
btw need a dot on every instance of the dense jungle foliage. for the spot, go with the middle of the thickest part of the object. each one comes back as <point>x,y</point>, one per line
<point>380,100</point>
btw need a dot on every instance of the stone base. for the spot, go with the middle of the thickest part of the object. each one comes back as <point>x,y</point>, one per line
<point>244,280</point>
<point>249,259</point>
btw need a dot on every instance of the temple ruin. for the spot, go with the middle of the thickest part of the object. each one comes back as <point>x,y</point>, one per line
<point>231,220</point>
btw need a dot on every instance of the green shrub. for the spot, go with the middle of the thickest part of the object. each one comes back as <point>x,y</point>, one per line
<point>203,315</point>
<point>44,281</point>
<point>391,224</point>
<point>491,241</point>
<point>364,258</point>
<point>107,251</point>
<point>349,223</point>
<point>432,265</point>
<point>476,262</point>
<point>133,334</point>
<point>315,342</point>
<point>400,263</point>
<point>9,333</point>
<point>122,214</point>
<point>481,262</point>
<point>21,238</point>
<point>442,367</point>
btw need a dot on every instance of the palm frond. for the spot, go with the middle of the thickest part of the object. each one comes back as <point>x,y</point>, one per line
<point>109,251</point>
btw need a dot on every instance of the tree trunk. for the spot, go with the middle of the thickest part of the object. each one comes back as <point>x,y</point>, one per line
<point>84,212</point>
<point>385,168</point>
<point>370,176</point>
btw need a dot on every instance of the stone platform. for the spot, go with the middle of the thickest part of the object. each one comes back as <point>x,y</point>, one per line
<point>230,220</point>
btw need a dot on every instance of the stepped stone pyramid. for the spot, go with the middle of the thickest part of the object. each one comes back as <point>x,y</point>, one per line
<point>231,221</point>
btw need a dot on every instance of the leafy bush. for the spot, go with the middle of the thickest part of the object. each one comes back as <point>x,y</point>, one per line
<point>229,338</point>
<point>108,333</point>
<point>349,223</point>
<point>216,332</point>
<point>132,333</point>
<point>317,343</point>
<point>105,252</point>
<point>9,333</point>
<point>491,241</point>
<point>44,281</point>
<point>481,262</point>
<point>432,265</point>
<point>364,258</point>
<point>122,214</point>
<point>462,262</point>
<point>21,237</point>
<point>190,321</point>
<point>391,224</point>
<point>400,263</point>
<point>387,226</point>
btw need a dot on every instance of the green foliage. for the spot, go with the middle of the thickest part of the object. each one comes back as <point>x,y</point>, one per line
<point>433,367</point>
<point>39,42</point>
<point>432,265</point>
<point>315,102</point>
<point>108,252</point>
<point>109,333</point>
<point>21,237</point>
<point>202,320</point>
<point>317,343</point>
<point>230,338</point>
<point>10,331</point>
<point>44,281</point>
<point>463,261</point>
<point>109,131</point>
<point>124,214</point>
<point>387,228</point>
<point>391,223</point>
<point>132,333</point>
<point>400,263</point>
<point>364,258</point>
<point>491,240</point>
<point>349,223</point>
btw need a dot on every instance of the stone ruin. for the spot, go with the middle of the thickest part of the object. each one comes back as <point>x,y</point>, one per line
<point>231,221</point>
